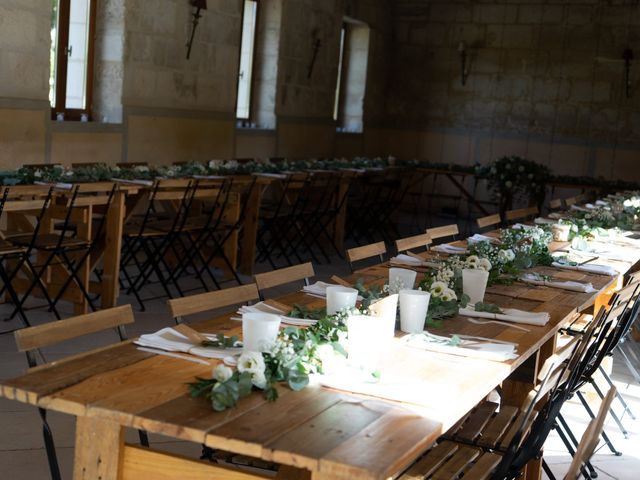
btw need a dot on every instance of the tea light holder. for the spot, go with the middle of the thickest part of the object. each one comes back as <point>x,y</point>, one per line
<point>339,298</point>
<point>560,232</point>
<point>367,337</point>
<point>414,305</point>
<point>401,278</point>
<point>259,331</point>
<point>474,284</point>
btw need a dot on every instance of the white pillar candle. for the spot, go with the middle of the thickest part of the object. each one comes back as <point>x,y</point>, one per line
<point>401,278</point>
<point>474,284</point>
<point>339,297</point>
<point>413,310</point>
<point>259,331</point>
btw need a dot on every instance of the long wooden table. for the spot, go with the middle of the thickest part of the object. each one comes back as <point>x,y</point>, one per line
<point>318,433</point>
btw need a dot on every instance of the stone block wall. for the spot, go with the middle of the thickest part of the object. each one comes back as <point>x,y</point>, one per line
<point>538,72</point>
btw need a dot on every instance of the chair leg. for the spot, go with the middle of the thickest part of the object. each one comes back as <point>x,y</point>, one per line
<point>50,447</point>
<point>605,437</point>
<point>619,396</point>
<point>630,366</point>
<point>14,297</point>
<point>611,412</point>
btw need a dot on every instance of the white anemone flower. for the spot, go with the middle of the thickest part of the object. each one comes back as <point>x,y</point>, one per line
<point>251,362</point>
<point>437,288</point>
<point>222,373</point>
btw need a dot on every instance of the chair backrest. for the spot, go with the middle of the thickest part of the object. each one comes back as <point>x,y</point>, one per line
<point>282,276</point>
<point>417,241</point>
<point>489,220</point>
<point>521,213</point>
<point>366,251</point>
<point>32,338</point>
<point>444,231</point>
<point>573,200</point>
<point>590,438</point>
<point>181,307</point>
<point>555,204</point>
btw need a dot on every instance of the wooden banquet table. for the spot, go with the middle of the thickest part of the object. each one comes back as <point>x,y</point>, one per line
<point>317,433</point>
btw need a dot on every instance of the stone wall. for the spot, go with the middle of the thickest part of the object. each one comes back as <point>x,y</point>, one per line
<point>545,80</point>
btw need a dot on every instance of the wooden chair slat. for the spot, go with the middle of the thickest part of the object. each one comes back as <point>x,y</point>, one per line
<point>202,302</point>
<point>416,241</point>
<point>431,462</point>
<point>489,220</point>
<point>54,332</point>
<point>284,275</point>
<point>484,466</point>
<point>444,231</point>
<point>492,433</point>
<point>520,213</point>
<point>451,470</point>
<point>366,251</point>
<point>481,416</point>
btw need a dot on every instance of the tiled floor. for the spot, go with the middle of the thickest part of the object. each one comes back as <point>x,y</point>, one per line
<point>22,456</point>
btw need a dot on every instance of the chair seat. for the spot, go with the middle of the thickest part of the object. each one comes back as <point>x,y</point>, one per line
<point>449,460</point>
<point>7,248</point>
<point>47,241</point>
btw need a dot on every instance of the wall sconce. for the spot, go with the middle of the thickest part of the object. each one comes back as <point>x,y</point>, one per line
<point>464,73</point>
<point>627,56</point>
<point>198,5</point>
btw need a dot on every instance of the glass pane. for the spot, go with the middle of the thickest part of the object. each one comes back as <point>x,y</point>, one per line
<point>336,100</point>
<point>53,54</point>
<point>77,54</point>
<point>246,58</point>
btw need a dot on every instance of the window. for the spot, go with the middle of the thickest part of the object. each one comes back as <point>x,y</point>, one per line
<point>71,73</point>
<point>247,47</point>
<point>336,102</point>
<point>352,76</point>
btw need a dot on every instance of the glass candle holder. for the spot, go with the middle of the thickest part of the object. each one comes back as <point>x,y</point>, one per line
<point>259,331</point>
<point>367,336</point>
<point>386,310</point>
<point>339,297</point>
<point>400,279</point>
<point>413,310</point>
<point>560,232</point>
<point>474,284</point>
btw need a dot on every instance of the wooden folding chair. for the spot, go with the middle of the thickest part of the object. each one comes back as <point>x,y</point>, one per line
<point>282,276</point>
<point>444,231</point>
<point>30,340</point>
<point>555,204</point>
<point>521,213</point>
<point>181,307</point>
<point>366,251</point>
<point>417,241</point>
<point>489,220</point>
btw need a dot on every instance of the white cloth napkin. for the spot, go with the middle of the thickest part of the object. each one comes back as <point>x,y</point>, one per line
<point>544,221</point>
<point>590,206</point>
<point>477,237</point>
<point>579,208</point>
<point>403,259</point>
<point>557,215</point>
<point>522,226</point>
<point>318,288</point>
<point>497,352</point>
<point>602,203</point>
<point>451,249</point>
<point>510,315</point>
<point>171,340</point>
<point>564,285</point>
<point>589,268</point>
<point>603,250</point>
<point>263,307</point>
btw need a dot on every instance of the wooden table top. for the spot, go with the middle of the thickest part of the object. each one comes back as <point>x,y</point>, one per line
<point>332,433</point>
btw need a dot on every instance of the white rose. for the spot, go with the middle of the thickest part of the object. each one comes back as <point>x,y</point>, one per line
<point>472,261</point>
<point>251,362</point>
<point>116,169</point>
<point>222,373</point>
<point>484,264</point>
<point>510,255</point>
<point>259,380</point>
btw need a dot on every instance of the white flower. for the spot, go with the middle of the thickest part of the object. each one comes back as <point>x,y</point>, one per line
<point>510,255</point>
<point>215,163</point>
<point>116,169</point>
<point>472,261</point>
<point>521,168</point>
<point>484,264</point>
<point>251,362</point>
<point>68,173</point>
<point>259,380</point>
<point>37,174</point>
<point>449,295</point>
<point>222,373</point>
<point>141,169</point>
<point>508,184</point>
<point>437,288</point>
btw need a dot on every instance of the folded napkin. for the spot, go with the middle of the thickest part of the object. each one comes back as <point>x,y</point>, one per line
<point>318,288</point>
<point>522,226</point>
<point>589,268</point>
<point>145,183</point>
<point>171,340</point>
<point>451,249</point>
<point>481,238</point>
<point>557,215</point>
<point>260,307</point>
<point>403,259</point>
<point>486,350</point>
<point>578,208</point>
<point>602,251</point>
<point>544,221</point>
<point>564,285</point>
<point>590,206</point>
<point>510,315</point>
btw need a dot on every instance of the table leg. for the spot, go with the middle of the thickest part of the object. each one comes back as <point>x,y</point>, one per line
<point>112,251</point>
<point>98,449</point>
<point>341,217</point>
<point>250,230</point>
